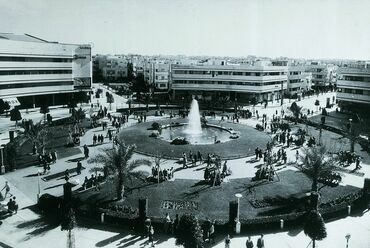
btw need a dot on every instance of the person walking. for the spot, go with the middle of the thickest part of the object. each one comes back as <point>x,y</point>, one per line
<point>249,243</point>
<point>260,242</point>
<point>227,241</point>
<point>79,167</point>
<point>151,235</point>
<point>86,151</point>
<point>7,189</point>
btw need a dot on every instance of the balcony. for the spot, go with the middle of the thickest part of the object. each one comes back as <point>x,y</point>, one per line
<point>36,90</point>
<point>353,84</point>
<point>348,97</point>
<point>36,77</point>
<point>34,65</point>
<point>209,77</point>
<point>224,87</point>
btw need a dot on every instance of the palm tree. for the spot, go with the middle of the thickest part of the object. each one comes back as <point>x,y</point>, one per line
<point>118,165</point>
<point>39,135</point>
<point>314,226</point>
<point>224,100</point>
<point>317,163</point>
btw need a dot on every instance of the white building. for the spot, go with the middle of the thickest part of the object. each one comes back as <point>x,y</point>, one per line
<point>160,75</point>
<point>299,81</point>
<point>353,86</point>
<point>32,68</point>
<point>323,75</point>
<point>242,82</point>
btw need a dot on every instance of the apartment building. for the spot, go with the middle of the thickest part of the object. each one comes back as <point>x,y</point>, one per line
<point>299,81</point>
<point>262,80</point>
<point>160,75</point>
<point>353,87</point>
<point>34,70</point>
<point>323,75</point>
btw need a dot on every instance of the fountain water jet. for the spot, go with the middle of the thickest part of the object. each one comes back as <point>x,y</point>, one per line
<point>194,127</point>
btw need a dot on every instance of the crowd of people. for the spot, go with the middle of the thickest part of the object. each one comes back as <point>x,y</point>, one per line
<point>93,181</point>
<point>160,175</point>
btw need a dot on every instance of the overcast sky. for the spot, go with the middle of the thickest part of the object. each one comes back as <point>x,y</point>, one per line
<point>293,28</point>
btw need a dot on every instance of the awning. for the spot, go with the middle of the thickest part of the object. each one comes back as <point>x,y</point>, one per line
<point>12,101</point>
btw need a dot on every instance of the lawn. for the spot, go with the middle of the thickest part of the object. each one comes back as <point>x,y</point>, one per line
<point>213,202</point>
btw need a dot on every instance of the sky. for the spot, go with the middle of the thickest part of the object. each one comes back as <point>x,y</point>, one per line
<point>291,28</point>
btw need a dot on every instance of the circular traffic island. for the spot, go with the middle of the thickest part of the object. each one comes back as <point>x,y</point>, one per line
<point>226,139</point>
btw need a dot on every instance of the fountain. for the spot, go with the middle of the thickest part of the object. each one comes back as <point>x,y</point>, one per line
<point>194,127</point>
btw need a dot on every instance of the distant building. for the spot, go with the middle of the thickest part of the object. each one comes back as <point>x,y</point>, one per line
<point>323,75</point>
<point>160,75</point>
<point>299,81</point>
<point>33,70</point>
<point>353,87</point>
<point>210,80</point>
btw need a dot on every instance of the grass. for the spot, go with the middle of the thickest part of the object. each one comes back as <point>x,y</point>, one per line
<point>213,202</point>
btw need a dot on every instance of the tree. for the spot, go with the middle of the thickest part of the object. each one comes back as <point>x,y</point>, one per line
<point>4,106</point>
<point>15,115</point>
<point>223,101</point>
<point>317,163</point>
<point>317,104</point>
<point>314,226</point>
<point>147,97</point>
<point>67,224</point>
<point>189,232</point>
<point>353,131</point>
<point>118,165</point>
<point>44,109</point>
<point>110,100</point>
<point>38,135</point>
<point>296,110</point>
<point>254,103</point>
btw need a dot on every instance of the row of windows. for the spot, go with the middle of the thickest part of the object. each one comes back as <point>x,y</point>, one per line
<point>355,78</point>
<point>233,73</point>
<point>34,59</point>
<point>354,91</point>
<point>32,72</point>
<point>30,85</point>
<point>228,83</point>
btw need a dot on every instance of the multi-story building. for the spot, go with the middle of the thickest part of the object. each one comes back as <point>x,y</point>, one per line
<point>34,70</point>
<point>159,76</point>
<point>115,67</point>
<point>299,81</point>
<point>323,75</point>
<point>353,87</point>
<point>242,82</point>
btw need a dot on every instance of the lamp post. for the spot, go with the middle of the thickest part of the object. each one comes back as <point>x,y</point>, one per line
<point>350,135</point>
<point>38,185</point>
<point>348,236</point>
<point>237,228</point>
<point>2,168</point>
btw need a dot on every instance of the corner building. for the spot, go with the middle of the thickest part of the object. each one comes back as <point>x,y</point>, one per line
<point>242,82</point>
<point>33,70</point>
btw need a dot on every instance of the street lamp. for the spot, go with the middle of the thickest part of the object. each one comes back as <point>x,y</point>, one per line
<point>348,236</point>
<point>2,168</point>
<point>237,228</point>
<point>38,185</point>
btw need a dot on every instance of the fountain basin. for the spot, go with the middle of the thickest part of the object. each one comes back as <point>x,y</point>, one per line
<point>208,135</point>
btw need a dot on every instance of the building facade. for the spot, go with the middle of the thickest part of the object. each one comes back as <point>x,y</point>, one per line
<point>262,81</point>
<point>34,70</point>
<point>299,81</point>
<point>353,87</point>
<point>323,75</point>
<point>160,75</point>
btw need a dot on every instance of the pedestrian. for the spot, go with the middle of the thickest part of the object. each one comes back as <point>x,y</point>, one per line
<point>86,151</point>
<point>167,223</point>
<point>296,156</point>
<point>151,235</point>
<point>79,167</point>
<point>249,243</point>
<point>261,242</point>
<point>94,139</point>
<point>212,232</point>
<point>358,161</point>
<point>227,241</point>
<point>7,189</point>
